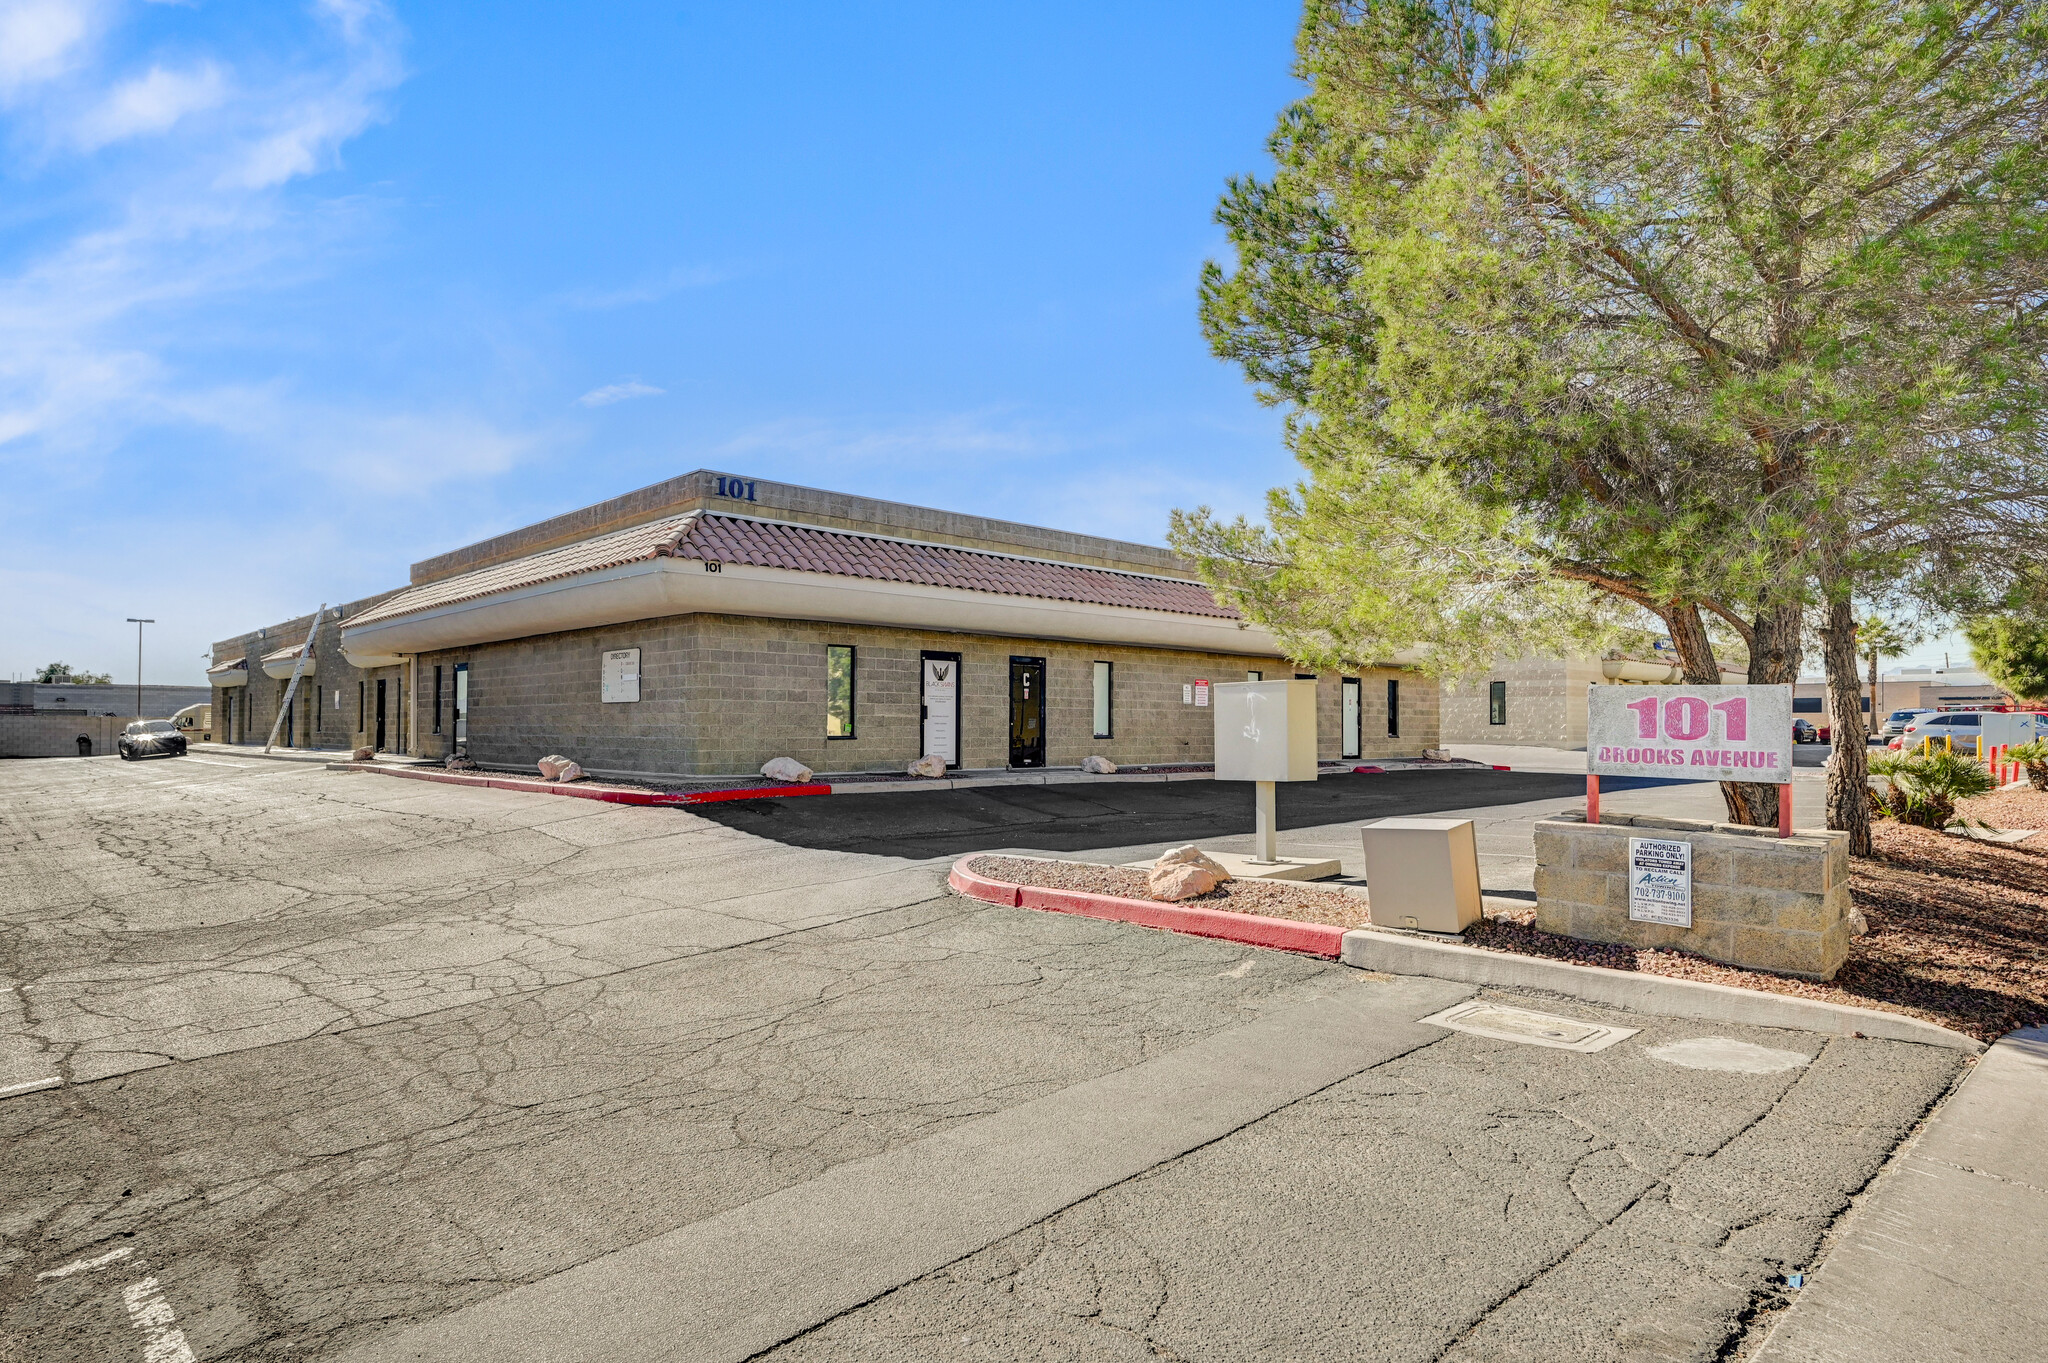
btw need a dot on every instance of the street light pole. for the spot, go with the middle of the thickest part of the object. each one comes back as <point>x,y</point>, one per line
<point>138,661</point>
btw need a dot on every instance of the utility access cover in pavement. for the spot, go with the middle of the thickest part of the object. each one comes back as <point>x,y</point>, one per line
<point>1533,1029</point>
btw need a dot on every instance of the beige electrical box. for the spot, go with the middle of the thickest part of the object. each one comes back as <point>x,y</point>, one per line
<point>1422,873</point>
<point>1265,730</point>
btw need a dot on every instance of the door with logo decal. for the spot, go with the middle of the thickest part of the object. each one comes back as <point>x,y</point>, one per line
<point>1027,712</point>
<point>939,707</point>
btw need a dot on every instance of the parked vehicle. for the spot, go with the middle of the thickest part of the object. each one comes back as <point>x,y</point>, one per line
<point>195,720</point>
<point>1895,723</point>
<point>1966,728</point>
<point>1803,731</point>
<point>152,738</point>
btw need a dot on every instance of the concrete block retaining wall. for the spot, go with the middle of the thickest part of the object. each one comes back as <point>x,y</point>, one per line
<point>56,735</point>
<point>1758,900</point>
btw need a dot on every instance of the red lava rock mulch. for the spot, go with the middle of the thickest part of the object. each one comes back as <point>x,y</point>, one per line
<point>1267,898</point>
<point>1958,935</point>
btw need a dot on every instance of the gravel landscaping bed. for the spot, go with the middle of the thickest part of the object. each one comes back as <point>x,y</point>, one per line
<point>2011,809</point>
<point>1267,898</point>
<point>1958,935</point>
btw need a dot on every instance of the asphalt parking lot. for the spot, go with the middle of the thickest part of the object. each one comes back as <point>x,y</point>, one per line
<point>349,1068</point>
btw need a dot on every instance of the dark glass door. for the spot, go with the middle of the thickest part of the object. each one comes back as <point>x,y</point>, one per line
<point>1027,712</point>
<point>380,714</point>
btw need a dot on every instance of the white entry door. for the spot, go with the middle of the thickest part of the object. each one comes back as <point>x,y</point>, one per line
<point>941,706</point>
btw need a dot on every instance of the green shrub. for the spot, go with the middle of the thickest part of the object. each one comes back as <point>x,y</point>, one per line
<point>2034,757</point>
<point>1924,790</point>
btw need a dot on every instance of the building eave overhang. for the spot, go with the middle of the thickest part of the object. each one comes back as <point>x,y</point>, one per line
<point>660,587</point>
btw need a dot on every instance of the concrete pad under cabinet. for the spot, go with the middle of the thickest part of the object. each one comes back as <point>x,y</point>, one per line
<point>1242,867</point>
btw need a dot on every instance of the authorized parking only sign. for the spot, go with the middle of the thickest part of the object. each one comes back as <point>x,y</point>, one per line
<point>1660,882</point>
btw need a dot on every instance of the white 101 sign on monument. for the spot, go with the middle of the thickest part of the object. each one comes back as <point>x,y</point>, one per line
<point>1702,733</point>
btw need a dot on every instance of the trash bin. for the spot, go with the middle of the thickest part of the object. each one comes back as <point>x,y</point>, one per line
<point>85,745</point>
<point>1422,873</point>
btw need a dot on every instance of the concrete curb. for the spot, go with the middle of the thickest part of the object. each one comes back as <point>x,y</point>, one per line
<point>613,797</point>
<point>1398,954</point>
<point>1280,934</point>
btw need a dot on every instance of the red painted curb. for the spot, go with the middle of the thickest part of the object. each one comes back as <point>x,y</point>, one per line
<point>615,797</point>
<point>1281,934</point>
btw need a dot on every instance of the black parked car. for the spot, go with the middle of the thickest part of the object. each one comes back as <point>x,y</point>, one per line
<point>152,738</point>
<point>1804,732</point>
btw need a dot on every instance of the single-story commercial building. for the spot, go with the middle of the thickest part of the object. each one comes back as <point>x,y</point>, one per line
<point>712,622</point>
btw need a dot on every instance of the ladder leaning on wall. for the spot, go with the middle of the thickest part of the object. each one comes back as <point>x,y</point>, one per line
<point>298,670</point>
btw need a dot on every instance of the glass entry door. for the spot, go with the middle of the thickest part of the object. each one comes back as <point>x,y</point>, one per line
<point>1027,712</point>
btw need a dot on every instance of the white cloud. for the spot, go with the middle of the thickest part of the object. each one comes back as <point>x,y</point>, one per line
<point>42,39</point>
<point>619,392</point>
<point>151,103</point>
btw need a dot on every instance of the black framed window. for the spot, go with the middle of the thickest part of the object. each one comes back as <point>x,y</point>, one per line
<point>840,665</point>
<point>437,698</point>
<point>362,704</point>
<point>1254,676</point>
<point>1393,709</point>
<point>1105,679</point>
<point>1497,702</point>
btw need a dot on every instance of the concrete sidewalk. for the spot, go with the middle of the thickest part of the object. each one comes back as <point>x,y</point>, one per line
<point>1947,1256</point>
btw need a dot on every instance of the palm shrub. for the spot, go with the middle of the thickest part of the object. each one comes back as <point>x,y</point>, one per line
<point>2034,757</point>
<point>1923,790</point>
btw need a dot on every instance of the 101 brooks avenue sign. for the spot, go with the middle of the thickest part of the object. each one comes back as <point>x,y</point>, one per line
<point>1710,733</point>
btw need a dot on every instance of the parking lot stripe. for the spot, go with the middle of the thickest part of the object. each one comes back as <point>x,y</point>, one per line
<point>84,1265</point>
<point>32,1086</point>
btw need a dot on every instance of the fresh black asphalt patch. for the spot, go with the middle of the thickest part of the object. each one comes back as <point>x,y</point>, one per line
<point>1082,816</point>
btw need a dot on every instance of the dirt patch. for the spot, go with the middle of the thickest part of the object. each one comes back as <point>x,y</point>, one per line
<point>1267,898</point>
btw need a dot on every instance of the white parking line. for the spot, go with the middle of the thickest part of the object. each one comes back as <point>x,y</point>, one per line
<point>32,1086</point>
<point>83,1265</point>
<point>149,1312</point>
<point>213,762</point>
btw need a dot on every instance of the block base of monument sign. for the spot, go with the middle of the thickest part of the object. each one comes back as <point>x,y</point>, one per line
<point>1755,899</point>
<point>1422,873</point>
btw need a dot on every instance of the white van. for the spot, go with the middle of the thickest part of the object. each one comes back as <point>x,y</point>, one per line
<point>195,721</point>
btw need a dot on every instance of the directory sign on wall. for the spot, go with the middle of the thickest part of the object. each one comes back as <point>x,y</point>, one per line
<point>1700,733</point>
<point>621,675</point>
<point>941,696</point>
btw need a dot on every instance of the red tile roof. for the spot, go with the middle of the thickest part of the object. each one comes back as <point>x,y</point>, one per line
<point>711,537</point>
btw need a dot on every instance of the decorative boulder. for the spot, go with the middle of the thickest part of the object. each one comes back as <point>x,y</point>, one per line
<point>570,771</point>
<point>364,755</point>
<point>551,766</point>
<point>1098,766</point>
<point>1191,855</point>
<point>1180,881</point>
<point>1859,926</point>
<point>787,770</point>
<point>457,762</point>
<point>929,765</point>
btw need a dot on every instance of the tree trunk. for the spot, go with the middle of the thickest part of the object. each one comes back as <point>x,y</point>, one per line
<point>1695,649</point>
<point>1773,661</point>
<point>1849,765</point>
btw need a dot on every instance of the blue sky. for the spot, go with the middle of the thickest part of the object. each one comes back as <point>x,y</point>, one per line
<point>294,294</point>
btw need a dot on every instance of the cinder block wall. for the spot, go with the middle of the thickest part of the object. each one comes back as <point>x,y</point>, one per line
<point>1546,703</point>
<point>1758,900</point>
<point>56,734</point>
<point>720,695</point>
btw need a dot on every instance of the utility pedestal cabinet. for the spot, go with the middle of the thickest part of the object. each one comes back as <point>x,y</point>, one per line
<point>1266,733</point>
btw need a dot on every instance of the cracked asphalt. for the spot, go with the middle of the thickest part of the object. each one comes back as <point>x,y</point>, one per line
<point>356,1070</point>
